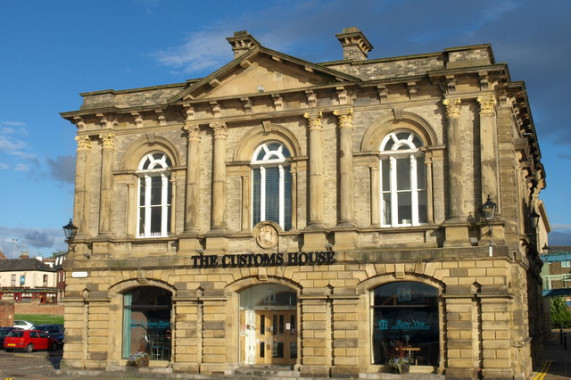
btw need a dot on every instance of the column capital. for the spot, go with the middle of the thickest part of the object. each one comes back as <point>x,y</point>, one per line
<point>314,119</point>
<point>220,129</point>
<point>83,142</point>
<point>452,107</point>
<point>345,117</point>
<point>487,105</point>
<point>108,140</point>
<point>193,131</point>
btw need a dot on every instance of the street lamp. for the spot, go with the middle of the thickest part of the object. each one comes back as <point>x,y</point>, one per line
<point>489,210</point>
<point>14,241</point>
<point>534,218</point>
<point>69,230</point>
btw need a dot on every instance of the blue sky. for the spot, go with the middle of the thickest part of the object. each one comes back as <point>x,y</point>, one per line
<point>53,50</point>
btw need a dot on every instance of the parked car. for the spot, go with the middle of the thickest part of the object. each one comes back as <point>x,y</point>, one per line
<point>3,332</point>
<point>29,340</point>
<point>53,331</point>
<point>24,325</point>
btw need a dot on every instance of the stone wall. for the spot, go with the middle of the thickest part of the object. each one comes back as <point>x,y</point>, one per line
<point>6,313</point>
<point>38,308</point>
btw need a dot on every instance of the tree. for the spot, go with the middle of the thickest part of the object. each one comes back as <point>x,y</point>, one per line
<point>560,313</point>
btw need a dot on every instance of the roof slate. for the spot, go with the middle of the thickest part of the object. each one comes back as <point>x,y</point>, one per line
<point>13,265</point>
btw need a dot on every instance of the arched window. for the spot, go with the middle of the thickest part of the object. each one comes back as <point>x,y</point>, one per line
<point>271,184</point>
<point>405,318</point>
<point>403,180</point>
<point>147,322</point>
<point>154,195</point>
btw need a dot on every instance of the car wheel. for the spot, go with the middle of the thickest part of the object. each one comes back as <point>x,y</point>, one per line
<point>8,350</point>
<point>30,347</point>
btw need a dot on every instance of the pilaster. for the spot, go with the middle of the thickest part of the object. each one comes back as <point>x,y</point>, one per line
<point>81,209</point>
<point>456,225</point>
<point>488,148</point>
<point>316,345</point>
<point>315,170</point>
<point>106,200</point>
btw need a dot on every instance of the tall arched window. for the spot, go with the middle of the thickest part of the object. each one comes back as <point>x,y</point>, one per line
<point>271,184</point>
<point>154,195</point>
<point>403,180</point>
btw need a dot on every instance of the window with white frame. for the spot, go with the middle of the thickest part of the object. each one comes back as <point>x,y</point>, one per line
<point>403,180</point>
<point>566,264</point>
<point>154,195</point>
<point>271,185</point>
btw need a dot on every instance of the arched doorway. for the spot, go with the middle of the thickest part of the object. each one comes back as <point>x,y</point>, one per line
<point>147,322</point>
<point>405,317</point>
<point>268,325</point>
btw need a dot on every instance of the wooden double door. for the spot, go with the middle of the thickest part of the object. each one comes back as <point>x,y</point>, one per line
<point>269,337</point>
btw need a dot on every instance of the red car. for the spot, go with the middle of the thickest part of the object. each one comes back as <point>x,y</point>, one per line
<point>29,340</point>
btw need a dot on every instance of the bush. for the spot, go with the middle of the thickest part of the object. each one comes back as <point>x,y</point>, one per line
<point>560,313</point>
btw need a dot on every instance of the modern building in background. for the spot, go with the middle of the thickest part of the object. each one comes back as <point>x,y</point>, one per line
<point>321,216</point>
<point>556,272</point>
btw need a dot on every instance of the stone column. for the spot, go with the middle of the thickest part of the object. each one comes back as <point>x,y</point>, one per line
<point>106,200</point>
<point>489,169</point>
<point>215,342</point>
<point>81,210</point>
<point>98,351</point>
<point>460,335</point>
<point>454,147</point>
<point>497,339</point>
<point>315,170</point>
<point>75,351</point>
<point>187,346</point>
<point>346,182</point>
<point>316,329</point>
<point>345,319</point>
<point>192,200</point>
<point>219,176</point>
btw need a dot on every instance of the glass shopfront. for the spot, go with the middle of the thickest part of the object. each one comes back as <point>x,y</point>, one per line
<point>405,322</point>
<point>147,322</point>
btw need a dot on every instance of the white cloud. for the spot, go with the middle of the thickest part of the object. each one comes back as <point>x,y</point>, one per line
<point>199,51</point>
<point>22,168</point>
<point>4,166</point>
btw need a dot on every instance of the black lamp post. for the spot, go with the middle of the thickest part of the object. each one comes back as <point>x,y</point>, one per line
<point>69,230</point>
<point>489,210</point>
<point>534,219</point>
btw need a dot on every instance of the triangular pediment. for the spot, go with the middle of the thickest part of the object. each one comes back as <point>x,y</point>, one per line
<point>261,71</point>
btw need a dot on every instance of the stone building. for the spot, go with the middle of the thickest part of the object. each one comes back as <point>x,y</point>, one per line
<point>324,217</point>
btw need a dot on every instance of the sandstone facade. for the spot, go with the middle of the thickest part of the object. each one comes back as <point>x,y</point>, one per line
<point>327,185</point>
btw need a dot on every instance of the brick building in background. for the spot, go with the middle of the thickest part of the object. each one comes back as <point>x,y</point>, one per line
<point>283,212</point>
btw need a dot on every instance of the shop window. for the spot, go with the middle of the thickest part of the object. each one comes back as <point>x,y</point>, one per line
<point>147,322</point>
<point>403,180</point>
<point>405,317</point>
<point>271,183</point>
<point>154,196</point>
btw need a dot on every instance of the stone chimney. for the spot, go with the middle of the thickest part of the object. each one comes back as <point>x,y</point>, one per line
<point>355,44</point>
<point>242,42</point>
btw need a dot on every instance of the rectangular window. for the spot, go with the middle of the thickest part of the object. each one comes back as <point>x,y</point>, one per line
<point>22,280</point>
<point>256,196</point>
<point>272,194</point>
<point>566,264</point>
<point>287,200</point>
